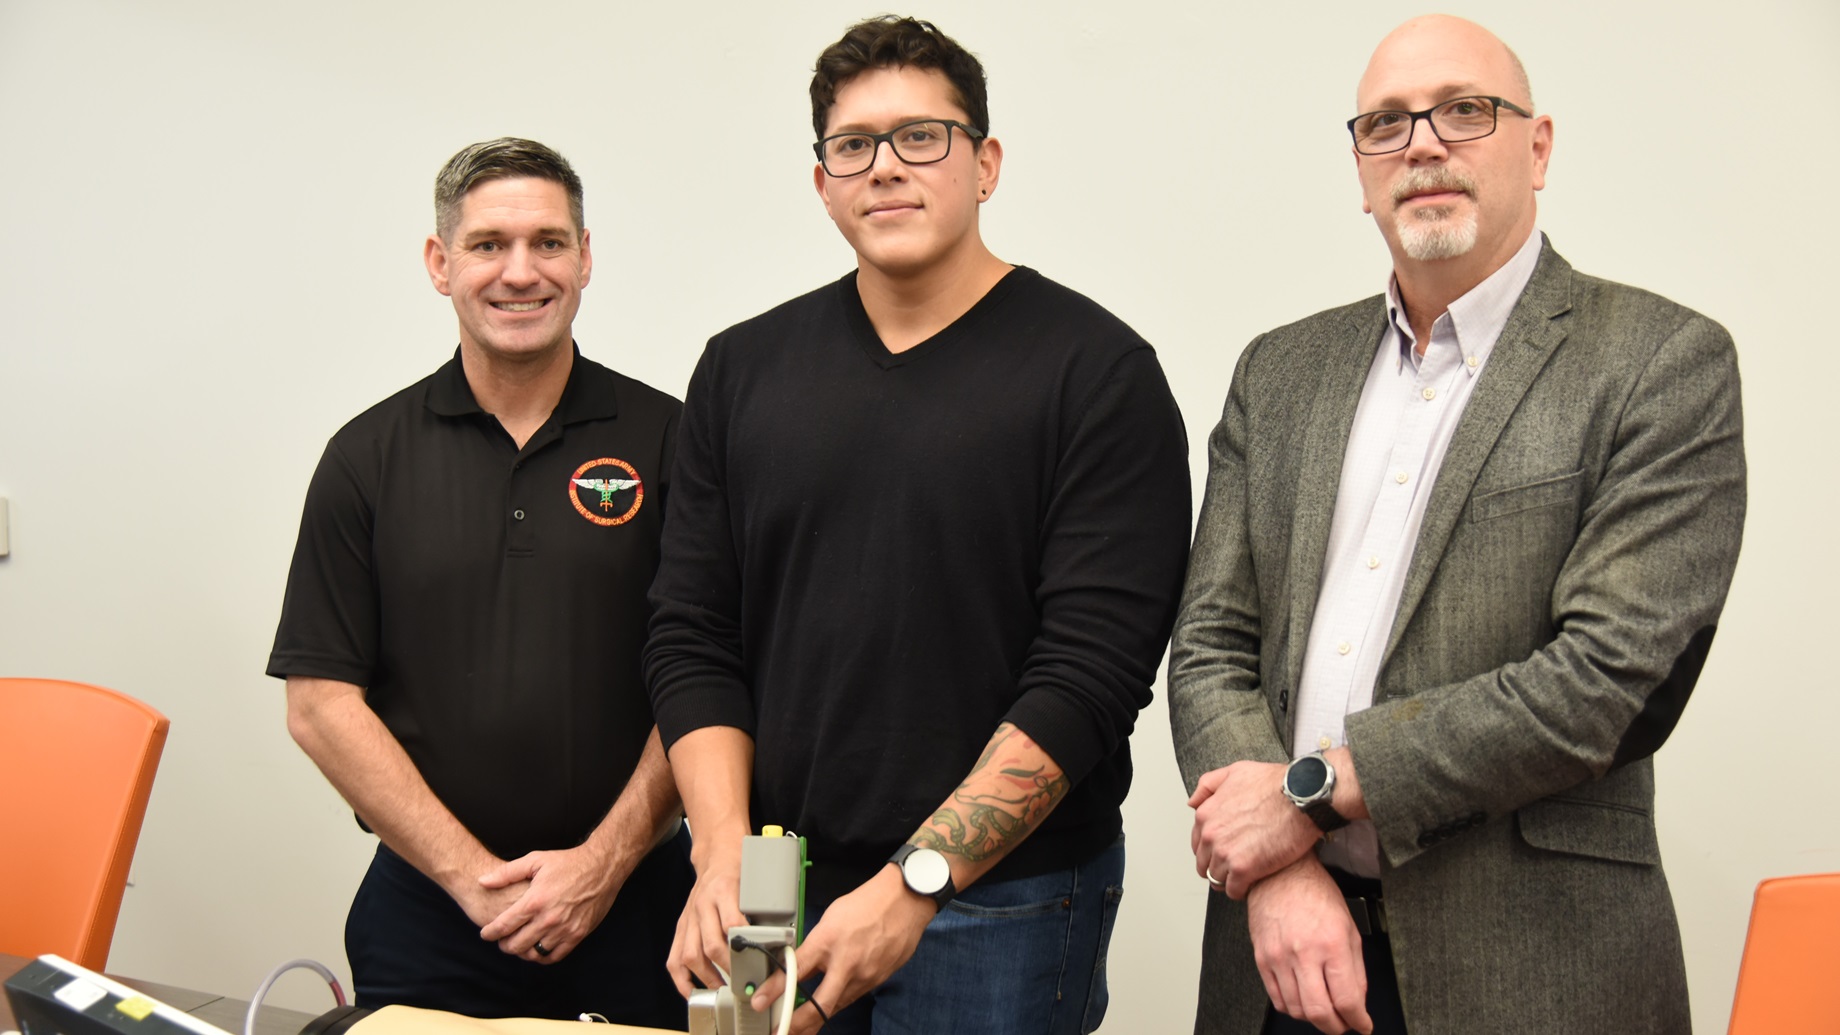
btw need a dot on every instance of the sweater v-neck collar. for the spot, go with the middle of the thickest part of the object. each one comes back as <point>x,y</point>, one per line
<point>871,342</point>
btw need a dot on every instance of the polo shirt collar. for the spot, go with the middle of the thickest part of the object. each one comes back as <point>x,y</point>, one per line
<point>589,394</point>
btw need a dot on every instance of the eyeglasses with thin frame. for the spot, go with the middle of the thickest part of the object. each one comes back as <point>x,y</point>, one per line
<point>1454,121</point>
<point>921,142</point>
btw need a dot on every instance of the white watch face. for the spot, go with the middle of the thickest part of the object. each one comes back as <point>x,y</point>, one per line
<point>926,871</point>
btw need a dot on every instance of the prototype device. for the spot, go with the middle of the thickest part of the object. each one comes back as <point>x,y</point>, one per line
<point>772,897</point>
<point>53,996</point>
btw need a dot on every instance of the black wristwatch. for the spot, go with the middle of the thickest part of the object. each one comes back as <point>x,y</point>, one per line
<point>1309,783</point>
<point>926,873</point>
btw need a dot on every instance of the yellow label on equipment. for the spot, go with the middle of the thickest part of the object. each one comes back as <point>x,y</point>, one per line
<point>138,1007</point>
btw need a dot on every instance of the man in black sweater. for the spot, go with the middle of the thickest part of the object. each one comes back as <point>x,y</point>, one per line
<point>927,532</point>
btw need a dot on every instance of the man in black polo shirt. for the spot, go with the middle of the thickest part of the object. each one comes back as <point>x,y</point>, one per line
<point>462,630</point>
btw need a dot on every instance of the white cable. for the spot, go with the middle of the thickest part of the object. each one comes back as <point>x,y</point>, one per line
<point>255,1002</point>
<point>792,991</point>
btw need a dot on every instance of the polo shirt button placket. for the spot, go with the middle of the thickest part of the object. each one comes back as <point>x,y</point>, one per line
<point>520,537</point>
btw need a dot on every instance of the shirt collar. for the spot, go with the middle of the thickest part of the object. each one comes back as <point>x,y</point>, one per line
<point>1475,321</point>
<point>589,394</point>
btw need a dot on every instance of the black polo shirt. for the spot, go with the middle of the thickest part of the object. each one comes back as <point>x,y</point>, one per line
<point>491,599</point>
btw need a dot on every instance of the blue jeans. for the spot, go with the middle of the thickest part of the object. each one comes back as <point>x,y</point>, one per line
<point>1014,957</point>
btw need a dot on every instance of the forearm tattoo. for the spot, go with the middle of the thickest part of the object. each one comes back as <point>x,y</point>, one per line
<point>1003,798</point>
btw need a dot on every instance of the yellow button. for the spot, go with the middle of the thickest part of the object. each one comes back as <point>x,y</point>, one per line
<point>1323,743</point>
<point>1373,562</point>
<point>1401,477</point>
<point>1342,648</point>
<point>139,1007</point>
<point>772,830</point>
<point>1430,393</point>
<point>1472,361</point>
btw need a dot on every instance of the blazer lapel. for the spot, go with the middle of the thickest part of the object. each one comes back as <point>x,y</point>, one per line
<point>1346,355</point>
<point>1533,331</point>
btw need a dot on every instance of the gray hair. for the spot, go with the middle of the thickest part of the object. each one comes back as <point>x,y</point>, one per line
<point>502,159</point>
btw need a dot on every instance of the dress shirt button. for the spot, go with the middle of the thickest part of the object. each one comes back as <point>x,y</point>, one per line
<point>1373,562</point>
<point>1430,393</point>
<point>1322,743</point>
<point>1343,647</point>
<point>518,515</point>
<point>1402,477</point>
<point>1472,361</point>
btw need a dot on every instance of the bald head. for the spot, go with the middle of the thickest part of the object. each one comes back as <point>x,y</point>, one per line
<point>1454,198</point>
<point>1442,45</point>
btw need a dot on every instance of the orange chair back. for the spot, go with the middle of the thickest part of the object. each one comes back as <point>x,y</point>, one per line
<point>76,767</point>
<point>1790,978</point>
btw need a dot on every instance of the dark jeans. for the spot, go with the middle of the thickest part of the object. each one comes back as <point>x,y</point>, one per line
<point>1014,957</point>
<point>1382,981</point>
<point>410,944</point>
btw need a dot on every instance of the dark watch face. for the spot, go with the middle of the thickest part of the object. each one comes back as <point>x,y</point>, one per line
<point>1306,776</point>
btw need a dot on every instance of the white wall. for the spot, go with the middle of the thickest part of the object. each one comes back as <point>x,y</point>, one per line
<point>213,214</point>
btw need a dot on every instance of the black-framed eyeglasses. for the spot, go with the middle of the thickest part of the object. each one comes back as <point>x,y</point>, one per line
<point>922,142</point>
<point>1454,121</point>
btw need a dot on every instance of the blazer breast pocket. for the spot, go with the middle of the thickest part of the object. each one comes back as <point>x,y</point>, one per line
<point>1559,490</point>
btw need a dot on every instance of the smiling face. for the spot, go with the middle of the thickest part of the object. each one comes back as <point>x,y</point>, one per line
<point>514,266</point>
<point>1470,202</point>
<point>907,220</point>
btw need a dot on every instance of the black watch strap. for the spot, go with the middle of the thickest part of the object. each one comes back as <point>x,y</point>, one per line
<point>1323,813</point>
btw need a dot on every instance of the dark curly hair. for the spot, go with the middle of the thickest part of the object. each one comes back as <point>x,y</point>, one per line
<point>895,42</point>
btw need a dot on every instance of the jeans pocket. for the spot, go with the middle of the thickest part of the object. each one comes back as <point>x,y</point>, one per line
<point>1008,912</point>
<point>1098,996</point>
<point>1016,899</point>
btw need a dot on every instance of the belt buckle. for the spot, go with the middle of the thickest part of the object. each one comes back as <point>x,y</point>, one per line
<point>1369,914</point>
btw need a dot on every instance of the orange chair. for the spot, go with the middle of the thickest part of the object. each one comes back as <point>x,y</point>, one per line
<point>1789,981</point>
<point>76,767</point>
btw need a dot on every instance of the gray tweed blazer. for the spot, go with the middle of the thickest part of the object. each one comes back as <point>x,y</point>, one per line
<point>1564,590</point>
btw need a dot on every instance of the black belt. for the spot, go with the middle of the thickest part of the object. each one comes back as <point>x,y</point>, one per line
<point>1364,902</point>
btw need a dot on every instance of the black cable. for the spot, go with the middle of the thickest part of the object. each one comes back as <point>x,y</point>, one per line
<point>737,942</point>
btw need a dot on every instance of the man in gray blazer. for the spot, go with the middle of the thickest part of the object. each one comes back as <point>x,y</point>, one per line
<point>1462,554</point>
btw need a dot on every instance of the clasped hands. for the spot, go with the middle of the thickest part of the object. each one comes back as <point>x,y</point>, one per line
<point>1245,828</point>
<point>1253,843</point>
<point>549,899</point>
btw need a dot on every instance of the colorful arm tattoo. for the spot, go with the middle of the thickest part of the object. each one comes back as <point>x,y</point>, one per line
<point>1010,790</point>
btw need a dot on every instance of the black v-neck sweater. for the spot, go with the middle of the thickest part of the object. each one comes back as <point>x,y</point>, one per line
<point>872,559</point>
